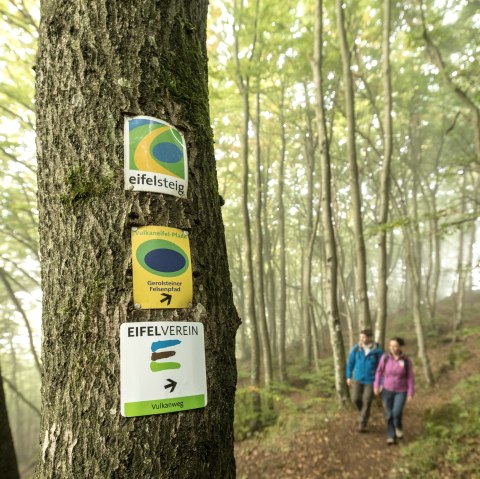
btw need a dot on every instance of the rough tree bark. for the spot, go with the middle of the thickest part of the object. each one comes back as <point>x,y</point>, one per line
<point>97,61</point>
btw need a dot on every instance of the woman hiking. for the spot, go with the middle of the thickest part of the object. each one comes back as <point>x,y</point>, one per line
<point>395,378</point>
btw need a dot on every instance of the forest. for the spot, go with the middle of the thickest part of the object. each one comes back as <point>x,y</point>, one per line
<point>346,144</point>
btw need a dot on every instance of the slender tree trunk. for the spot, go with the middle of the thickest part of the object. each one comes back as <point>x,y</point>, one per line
<point>469,262</point>
<point>436,264</point>
<point>309,242</point>
<point>345,291</point>
<point>282,313</point>
<point>243,84</point>
<point>8,459</point>
<point>412,236</point>
<point>95,62</point>
<point>432,278</point>
<point>461,270</point>
<point>270,292</point>
<point>244,348</point>
<point>382,289</point>
<point>333,315</point>
<point>417,317</point>
<point>360,251</point>
<point>247,247</point>
<point>262,319</point>
<point>348,312</point>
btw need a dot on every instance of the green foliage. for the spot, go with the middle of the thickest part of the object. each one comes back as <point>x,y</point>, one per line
<point>319,382</point>
<point>248,420</point>
<point>457,355</point>
<point>450,444</point>
<point>470,331</point>
<point>304,403</point>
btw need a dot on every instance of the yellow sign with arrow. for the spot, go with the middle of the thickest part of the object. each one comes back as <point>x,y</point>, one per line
<point>162,268</point>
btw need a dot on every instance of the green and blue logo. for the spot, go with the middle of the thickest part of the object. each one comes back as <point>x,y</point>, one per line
<point>156,146</point>
<point>162,258</point>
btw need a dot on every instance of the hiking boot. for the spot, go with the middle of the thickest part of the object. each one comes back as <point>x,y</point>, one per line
<point>362,428</point>
<point>399,433</point>
<point>390,441</point>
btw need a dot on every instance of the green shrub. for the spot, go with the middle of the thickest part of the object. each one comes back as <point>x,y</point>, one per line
<point>449,446</point>
<point>457,355</point>
<point>254,411</point>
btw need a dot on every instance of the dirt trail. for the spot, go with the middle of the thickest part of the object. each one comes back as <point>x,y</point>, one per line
<point>337,450</point>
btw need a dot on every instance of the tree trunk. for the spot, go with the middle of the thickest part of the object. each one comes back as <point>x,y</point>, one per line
<point>461,269</point>
<point>95,63</point>
<point>268,252</point>
<point>282,313</point>
<point>333,315</point>
<point>8,459</point>
<point>360,251</point>
<point>309,235</point>
<point>262,319</point>
<point>435,261</point>
<point>412,236</point>
<point>248,261</point>
<point>417,317</point>
<point>382,289</point>
<point>243,83</point>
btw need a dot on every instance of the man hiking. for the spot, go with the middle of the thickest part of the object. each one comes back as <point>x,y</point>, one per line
<point>361,367</point>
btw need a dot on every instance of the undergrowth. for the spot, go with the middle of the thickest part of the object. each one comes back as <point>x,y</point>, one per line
<point>449,446</point>
<point>279,412</point>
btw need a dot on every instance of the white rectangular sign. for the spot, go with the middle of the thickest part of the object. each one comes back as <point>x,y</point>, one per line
<point>162,367</point>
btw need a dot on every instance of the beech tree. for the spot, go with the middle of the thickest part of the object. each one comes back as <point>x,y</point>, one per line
<point>97,62</point>
<point>333,315</point>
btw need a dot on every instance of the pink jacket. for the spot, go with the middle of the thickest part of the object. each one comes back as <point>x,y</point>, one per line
<point>397,374</point>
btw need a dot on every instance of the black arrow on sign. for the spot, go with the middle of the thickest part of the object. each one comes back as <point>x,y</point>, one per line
<point>168,297</point>
<point>171,384</point>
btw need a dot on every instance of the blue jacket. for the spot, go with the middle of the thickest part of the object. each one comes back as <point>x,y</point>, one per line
<point>363,367</point>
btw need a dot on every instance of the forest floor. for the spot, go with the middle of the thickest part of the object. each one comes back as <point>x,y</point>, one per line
<point>335,449</point>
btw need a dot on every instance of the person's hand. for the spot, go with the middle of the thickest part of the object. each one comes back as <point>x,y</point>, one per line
<point>376,392</point>
<point>349,382</point>
<point>409,398</point>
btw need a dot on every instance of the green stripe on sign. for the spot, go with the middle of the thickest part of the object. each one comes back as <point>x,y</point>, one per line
<point>155,367</point>
<point>161,406</point>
